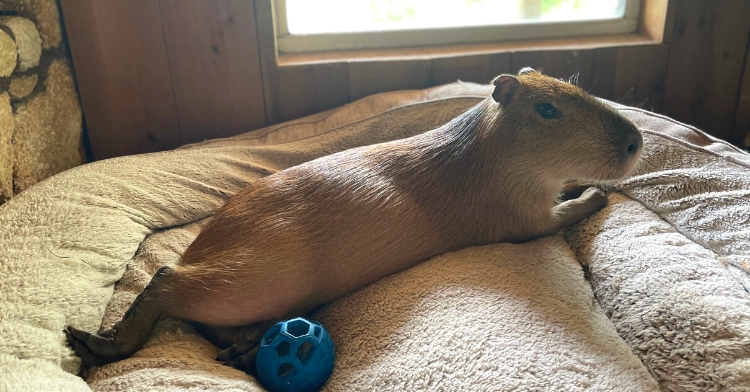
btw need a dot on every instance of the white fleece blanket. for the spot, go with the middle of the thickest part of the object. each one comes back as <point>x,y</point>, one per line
<point>667,273</point>
<point>669,257</point>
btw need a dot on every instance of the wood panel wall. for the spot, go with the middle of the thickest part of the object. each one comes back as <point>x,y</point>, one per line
<point>706,63</point>
<point>742,117</point>
<point>154,74</point>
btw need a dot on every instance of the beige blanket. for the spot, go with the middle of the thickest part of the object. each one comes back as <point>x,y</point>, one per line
<point>669,257</point>
<point>501,317</point>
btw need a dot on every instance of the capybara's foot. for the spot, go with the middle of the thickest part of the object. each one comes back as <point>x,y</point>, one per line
<point>594,199</point>
<point>575,210</point>
<point>238,348</point>
<point>244,361</point>
<point>242,352</point>
<point>95,350</point>
<point>573,190</point>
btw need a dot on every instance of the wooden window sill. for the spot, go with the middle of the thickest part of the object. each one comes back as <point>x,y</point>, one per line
<point>656,21</point>
<point>430,52</point>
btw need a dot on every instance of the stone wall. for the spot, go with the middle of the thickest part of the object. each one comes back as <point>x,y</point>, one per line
<point>40,115</point>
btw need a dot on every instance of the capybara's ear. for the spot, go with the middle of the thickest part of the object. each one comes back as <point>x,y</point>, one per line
<point>505,88</point>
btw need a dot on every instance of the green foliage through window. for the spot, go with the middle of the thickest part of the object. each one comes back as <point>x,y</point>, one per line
<point>334,16</point>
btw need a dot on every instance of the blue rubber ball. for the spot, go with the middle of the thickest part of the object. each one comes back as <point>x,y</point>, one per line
<point>295,355</point>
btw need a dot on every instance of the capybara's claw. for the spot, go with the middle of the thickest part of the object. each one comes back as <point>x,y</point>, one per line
<point>76,340</point>
<point>239,347</point>
<point>110,333</point>
<point>76,334</point>
<point>245,362</point>
<point>94,350</point>
<point>241,354</point>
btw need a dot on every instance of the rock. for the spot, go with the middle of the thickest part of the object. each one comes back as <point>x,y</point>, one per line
<point>21,86</point>
<point>46,15</point>
<point>47,136</point>
<point>8,55</point>
<point>27,39</point>
<point>6,149</point>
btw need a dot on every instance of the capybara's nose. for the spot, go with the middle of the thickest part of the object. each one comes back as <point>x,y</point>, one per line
<point>633,143</point>
<point>627,138</point>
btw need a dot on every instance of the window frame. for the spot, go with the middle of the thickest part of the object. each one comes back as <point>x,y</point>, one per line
<point>398,39</point>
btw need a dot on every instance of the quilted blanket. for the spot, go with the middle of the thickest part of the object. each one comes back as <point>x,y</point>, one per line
<point>650,293</point>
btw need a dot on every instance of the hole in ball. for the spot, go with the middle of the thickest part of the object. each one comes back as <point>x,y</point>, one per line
<point>283,349</point>
<point>285,369</point>
<point>316,331</point>
<point>305,352</point>
<point>298,328</point>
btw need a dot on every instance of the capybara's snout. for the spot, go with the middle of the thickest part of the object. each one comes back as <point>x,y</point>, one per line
<point>633,143</point>
<point>628,140</point>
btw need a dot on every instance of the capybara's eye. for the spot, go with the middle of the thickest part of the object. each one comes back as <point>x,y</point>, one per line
<point>546,110</point>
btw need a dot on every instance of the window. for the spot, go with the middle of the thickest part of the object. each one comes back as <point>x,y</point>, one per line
<point>327,25</point>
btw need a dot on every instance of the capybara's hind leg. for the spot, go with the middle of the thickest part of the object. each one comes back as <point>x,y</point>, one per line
<point>239,344</point>
<point>128,335</point>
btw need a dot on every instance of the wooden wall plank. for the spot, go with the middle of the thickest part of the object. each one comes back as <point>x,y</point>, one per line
<point>308,89</point>
<point>640,76</point>
<point>215,66</point>
<point>265,26</point>
<point>656,19</point>
<point>603,73</point>
<point>706,62</point>
<point>559,64</point>
<point>468,69</point>
<point>500,63</point>
<point>478,69</point>
<point>123,76</point>
<point>372,77</point>
<point>632,76</point>
<point>294,91</point>
<point>742,116</point>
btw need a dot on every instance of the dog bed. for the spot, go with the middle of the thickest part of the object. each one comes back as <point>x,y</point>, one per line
<point>649,294</point>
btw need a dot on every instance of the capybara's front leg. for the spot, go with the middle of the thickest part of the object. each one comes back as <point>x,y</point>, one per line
<point>128,335</point>
<point>573,190</point>
<point>575,210</point>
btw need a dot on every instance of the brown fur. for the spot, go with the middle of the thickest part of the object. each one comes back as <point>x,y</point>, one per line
<point>317,231</point>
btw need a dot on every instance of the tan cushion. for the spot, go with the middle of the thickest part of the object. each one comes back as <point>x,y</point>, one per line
<point>504,316</point>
